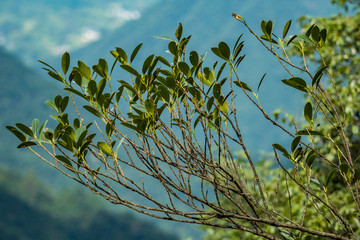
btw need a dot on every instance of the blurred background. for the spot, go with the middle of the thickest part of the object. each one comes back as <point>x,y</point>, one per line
<point>37,202</point>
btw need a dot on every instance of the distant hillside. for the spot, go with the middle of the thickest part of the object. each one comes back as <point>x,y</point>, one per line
<point>32,211</point>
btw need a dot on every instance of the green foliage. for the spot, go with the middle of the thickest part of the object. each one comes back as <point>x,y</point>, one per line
<point>166,104</point>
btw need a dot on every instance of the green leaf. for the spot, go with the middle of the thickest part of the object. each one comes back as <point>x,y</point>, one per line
<point>164,61</point>
<point>135,52</point>
<point>311,158</point>
<point>318,75</point>
<point>261,82</point>
<point>286,28</point>
<point>224,50</point>
<point>84,70</point>
<point>64,160</point>
<point>139,107</point>
<point>291,39</point>
<point>41,129</point>
<point>123,58</point>
<point>173,49</point>
<point>308,112</point>
<point>323,35</point>
<point>315,33</point>
<point>194,58</point>
<point>92,88</point>
<point>344,168</point>
<point>243,85</point>
<point>309,132</point>
<point>210,103</point>
<point>25,129</point>
<point>73,91</point>
<point>147,63</point>
<point>295,143</point>
<point>17,133</point>
<point>92,110</point>
<point>281,149</point>
<point>178,32</point>
<point>35,125</point>
<point>217,52</point>
<point>26,144</point>
<point>47,65</point>
<point>149,105</point>
<point>130,69</point>
<point>296,82</point>
<point>185,69</point>
<point>65,62</point>
<point>64,103</point>
<point>100,87</point>
<point>56,76</point>
<point>269,28</point>
<point>129,125</point>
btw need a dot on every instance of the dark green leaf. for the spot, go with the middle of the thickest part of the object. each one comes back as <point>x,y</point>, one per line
<point>210,103</point>
<point>130,69</point>
<point>164,61</point>
<point>65,62</point>
<point>224,50</point>
<point>261,82</point>
<point>315,33</point>
<point>296,82</point>
<point>311,158</point>
<point>147,63</point>
<point>149,105</point>
<point>17,133</point>
<point>92,88</point>
<point>286,28</point>
<point>243,85</point>
<point>92,110</point>
<point>100,87</point>
<point>308,112</point>
<point>173,48</point>
<point>122,55</point>
<point>64,103</point>
<point>73,91</point>
<point>178,32</point>
<point>129,125</point>
<point>309,132</point>
<point>291,39</point>
<point>323,35</point>
<point>318,75</point>
<point>295,143</point>
<point>344,168</point>
<point>185,69</point>
<point>56,76</point>
<point>281,149</point>
<point>47,65</point>
<point>269,28</point>
<point>26,144</point>
<point>135,52</point>
<point>84,70</point>
<point>221,70</point>
<point>25,129</point>
<point>194,58</point>
<point>64,160</point>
